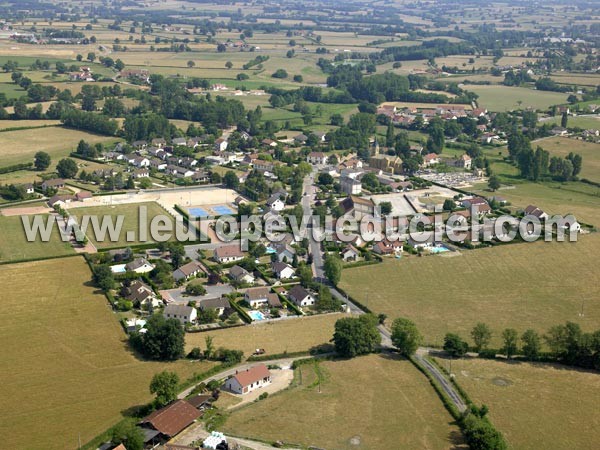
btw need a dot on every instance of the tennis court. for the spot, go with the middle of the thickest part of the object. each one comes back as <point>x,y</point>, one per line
<point>223,210</point>
<point>198,212</point>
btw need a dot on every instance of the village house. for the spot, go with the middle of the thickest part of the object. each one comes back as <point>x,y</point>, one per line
<point>183,313</point>
<point>284,252</point>
<point>159,142</point>
<point>533,210</point>
<point>140,161</point>
<point>300,138</point>
<point>358,207</point>
<point>187,271</point>
<point>388,247</point>
<point>141,294</point>
<point>430,159</point>
<point>228,253</point>
<point>221,145</point>
<point>139,265</point>
<point>350,253</point>
<point>171,420</point>
<point>275,203</point>
<point>282,270</point>
<point>248,380</point>
<point>55,183</point>
<point>141,173</point>
<point>240,275</point>
<point>60,200</point>
<point>218,304</point>
<point>180,141</point>
<point>28,187</point>
<point>350,186</point>
<point>317,158</point>
<point>301,296</point>
<point>257,297</point>
<point>464,162</point>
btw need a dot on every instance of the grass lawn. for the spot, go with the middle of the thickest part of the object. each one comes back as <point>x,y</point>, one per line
<point>505,98</point>
<point>71,373</point>
<point>589,151</point>
<point>535,285</point>
<point>374,401</point>
<point>131,221</point>
<point>14,245</point>
<point>21,146</point>
<point>559,403</point>
<point>292,335</point>
<point>579,121</point>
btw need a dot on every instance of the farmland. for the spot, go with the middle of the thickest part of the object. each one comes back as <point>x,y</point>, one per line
<point>78,351</point>
<point>589,151</point>
<point>500,286</point>
<point>14,245</point>
<point>505,98</point>
<point>21,146</point>
<point>293,335</point>
<point>131,221</point>
<point>367,402</point>
<point>523,397</point>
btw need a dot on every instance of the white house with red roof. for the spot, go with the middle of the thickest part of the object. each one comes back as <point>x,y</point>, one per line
<point>248,380</point>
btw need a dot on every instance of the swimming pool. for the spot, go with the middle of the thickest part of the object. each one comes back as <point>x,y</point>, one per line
<point>223,210</point>
<point>256,315</point>
<point>119,268</point>
<point>198,212</point>
<point>439,249</point>
<point>270,250</point>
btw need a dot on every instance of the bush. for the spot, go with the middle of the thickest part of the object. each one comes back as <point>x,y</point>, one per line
<point>263,395</point>
<point>195,353</point>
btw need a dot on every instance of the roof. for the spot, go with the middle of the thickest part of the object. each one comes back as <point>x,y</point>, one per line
<point>257,293</point>
<point>54,182</point>
<point>280,266</point>
<point>178,310</point>
<point>273,301</point>
<point>199,400</point>
<point>228,251</point>
<point>430,156</point>
<point>136,264</point>
<point>190,268</point>
<point>214,303</point>
<point>172,419</point>
<point>83,194</point>
<point>298,292</point>
<point>237,271</point>
<point>252,375</point>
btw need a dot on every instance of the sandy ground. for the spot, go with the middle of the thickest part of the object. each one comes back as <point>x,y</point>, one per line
<point>25,211</point>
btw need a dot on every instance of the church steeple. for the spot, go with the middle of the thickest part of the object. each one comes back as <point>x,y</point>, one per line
<point>375,149</point>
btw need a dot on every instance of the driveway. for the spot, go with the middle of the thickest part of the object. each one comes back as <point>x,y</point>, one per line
<point>181,298</point>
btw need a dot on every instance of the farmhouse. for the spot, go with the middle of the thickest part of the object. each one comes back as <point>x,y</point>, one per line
<point>139,265</point>
<point>172,419</point>
<point>533,210</point>
<point>248,380</point>
<point>185,314</point>
<point>318,158</point>
<point>228,253</point>
<point>187,271</point>
<point>301,296</point>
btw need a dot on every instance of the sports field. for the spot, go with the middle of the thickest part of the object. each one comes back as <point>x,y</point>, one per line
<point>21,146</point>
<point>520,285</point>
<point>535,405</point>
<point>371,402</point>
<point>14,245</point>
<point>65,361</point>
<point>131,221</point>
<point>291,335</point>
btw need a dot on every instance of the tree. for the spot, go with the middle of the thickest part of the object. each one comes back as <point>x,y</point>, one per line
<point>177,252</point>
<point>231,180</point>
<point>385,208</point>
<point>163,340</point>
<point>454,345</point>
<point>67,168</point>
<point>531,344</point>
<point>564,120</point>
<point>326,301</point>
<point>191,63</point>
<point>127,433</point>
<point>333,269</point>
<point>481,335</point>
<point>103,277</point>
<point>42,161</point>
<point>164,386</point>
<point>405,336</point>
<point>494,183</point>
<point>88,103</point>
<point>195,289</point>
<point>449,205</point>
<point>207,315</point>
<point>210,348</point>
<point>510,338</point>
<point>280,73</point>
<point>355,336</point>
<point>91,56</point>
<point>228,64</point>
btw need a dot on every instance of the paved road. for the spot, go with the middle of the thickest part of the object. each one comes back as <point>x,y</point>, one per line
<point>315,246</point>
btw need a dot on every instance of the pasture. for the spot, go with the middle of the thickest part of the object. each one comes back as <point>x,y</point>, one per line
<point>291,335</point>
<point>504,98</point>
<point>529,285</point>
<point>559,403</point>
<point>22,145</point>
<point>374,401</point>
<point>14,245</point>
<point>71,372</point>
<point>589,151</point>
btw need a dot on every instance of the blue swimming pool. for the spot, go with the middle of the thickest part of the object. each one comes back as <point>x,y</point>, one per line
<point>256,315</point>
<point>221,210</point>
<point>270,250</point>
<point>198,212</point>
<point>439,249</point>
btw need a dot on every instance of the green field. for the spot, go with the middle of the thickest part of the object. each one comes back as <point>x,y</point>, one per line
<point>505,98</point>
<point>535,285</point>
<point>131,221</point>
<point>535,405</point>
<point>14,245</point>
<point>371,402</point>
<point>589,151</point>
<point>71,374</point>
<point>585,123</point>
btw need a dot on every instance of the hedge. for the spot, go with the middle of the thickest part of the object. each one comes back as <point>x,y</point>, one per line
<point>243,314</point>
<point>40,258</point>
<point>290,305</point>
<point>16,167</point>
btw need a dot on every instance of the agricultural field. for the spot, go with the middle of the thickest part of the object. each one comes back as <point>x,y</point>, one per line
<point>14,244</point>
<point>375,401</point>
<point>589,151</point>
<point>131,221</point>
<point>532,396</point>
<point>85,377</point>
<point>22,145</point>
<point>291,335</point>
<point>584,122</point>
<point>509,286</point>
<point>506,98</point>
<point>9,124</point>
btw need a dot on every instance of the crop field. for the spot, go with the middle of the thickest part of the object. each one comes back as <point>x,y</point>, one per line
<point>291,335</point>
<point>589,151</point>
<point>21,146</point>
<point>374,401</point>
<point>71,373</point>
<point>8,124</point>
<point>14,245</point>
<point>505,98</point>
<point>514,285</point>
<point>131,221</point>
<point>559,403</point>
<point>585,122</point>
